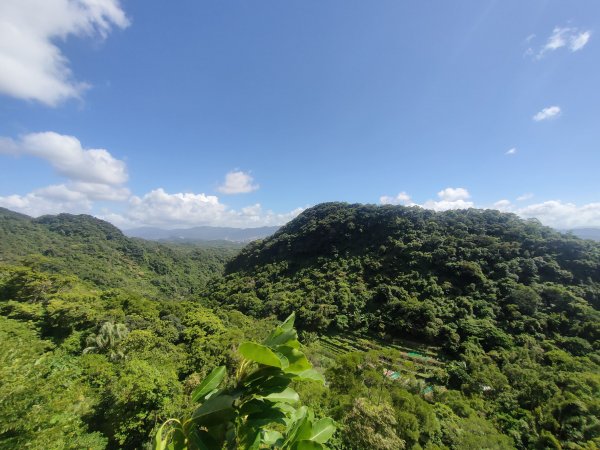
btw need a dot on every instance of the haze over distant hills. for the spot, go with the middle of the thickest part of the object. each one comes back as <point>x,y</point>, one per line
<point>244,235</point>
<point>587,233</point>
<point>202,233</point>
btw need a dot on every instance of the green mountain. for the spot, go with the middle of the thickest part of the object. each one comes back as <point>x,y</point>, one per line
<point>435,277</point>
<point>99,253</point>
<point>457,330</point>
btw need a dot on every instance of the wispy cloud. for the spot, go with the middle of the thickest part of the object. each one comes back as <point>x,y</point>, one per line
<point>511,151</point>
<point>579,41</point>
<point>547,113</point>
<point>524,197</point>
<point>571,38</point>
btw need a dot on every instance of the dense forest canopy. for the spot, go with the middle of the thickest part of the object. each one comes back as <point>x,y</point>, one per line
<point>441,277</point>
<point>101,254</point>
<point>457,330</point>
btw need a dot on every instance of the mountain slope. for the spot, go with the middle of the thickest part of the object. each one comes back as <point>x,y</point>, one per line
<point>437,277</point>
<point>100,253</point>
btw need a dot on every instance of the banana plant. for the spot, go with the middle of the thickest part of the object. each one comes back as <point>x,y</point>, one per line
<point>260,410</point>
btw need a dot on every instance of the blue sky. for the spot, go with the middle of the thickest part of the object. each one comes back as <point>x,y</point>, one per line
<point>244,112</point>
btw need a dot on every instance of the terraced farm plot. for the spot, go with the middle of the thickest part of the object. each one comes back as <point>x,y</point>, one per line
<point>410,358</point>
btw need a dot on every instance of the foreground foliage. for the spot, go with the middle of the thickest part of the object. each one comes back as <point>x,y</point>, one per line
<point>259,400</point>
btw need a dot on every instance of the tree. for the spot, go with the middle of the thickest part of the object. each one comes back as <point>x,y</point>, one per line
<point>370,426</point>
<point>108,340</point>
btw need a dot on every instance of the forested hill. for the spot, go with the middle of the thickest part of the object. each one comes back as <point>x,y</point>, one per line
<point>437,276</point>
<point>99,253</point>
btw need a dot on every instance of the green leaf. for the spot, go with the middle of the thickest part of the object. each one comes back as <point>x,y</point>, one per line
<point>281,337</point>
<point>271,383</point>
<point>288,395</point>
<point>258,422</point>
<point>202,440</point>
<point>160,443</point>
<point>322,430</point>
<point>298,361</point>
<point>256,444</point>
<point>263,355</point>
<point>284,334</point>
<point>288,323</point>
<point>311,374</point>
<point>209,383</point>
<point>271,437</point>
<point>214,410</point>
<point>300,420</point>
<point>251,406</point>
<point>262,374</point>
<point>308,445</point>
<point>249,438</point>
<point>173,435</point>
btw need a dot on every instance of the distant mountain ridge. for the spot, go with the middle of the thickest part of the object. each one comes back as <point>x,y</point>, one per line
<point>202,233</point>
<point>587,233</point>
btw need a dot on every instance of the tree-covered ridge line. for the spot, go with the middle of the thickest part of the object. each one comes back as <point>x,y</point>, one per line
<point>363,266</point>
<point>102,255</point>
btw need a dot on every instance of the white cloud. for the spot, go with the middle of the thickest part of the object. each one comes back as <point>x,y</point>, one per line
<point>553,213</point>
<point>524,197</point>
<point>98,191</point>
<point>95,175</point>
<point>159,208</point>
<point>547,113</point>
<point>502,205</point>
<point>401,199</point>
<point>569,37</point>
<point>511,151</point>
<point>92,174</point>
<point>449,198</point>
<point>49,200</point>
<point>32,66</point>
<point>444,205</point>
<point>558,214</point>
<point>238,182</point>
<point>454,194</point>
<point>68,157</point>
<point>557,39</point>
